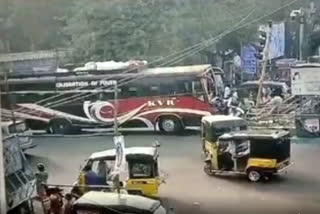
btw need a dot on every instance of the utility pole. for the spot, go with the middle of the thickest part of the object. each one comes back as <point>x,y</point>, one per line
<point>3,201</point>
<point>301,33</point>
<point>265,62</point>
<point>116,131</point>
<point>9,97</point>
<point>115,111</point>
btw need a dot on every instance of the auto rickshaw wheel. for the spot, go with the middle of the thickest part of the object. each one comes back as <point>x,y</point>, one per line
<point>253,175</point>
<point>208,169</point>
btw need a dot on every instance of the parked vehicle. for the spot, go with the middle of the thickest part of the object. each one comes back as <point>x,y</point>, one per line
<point>256,153</point>
<point>168,99</point>
<point>19,176</point>
<point>250,89</point>
<point>18,128</point>
<point>106,202</point>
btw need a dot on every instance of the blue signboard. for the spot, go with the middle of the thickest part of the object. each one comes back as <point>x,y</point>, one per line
<point>248,59</point>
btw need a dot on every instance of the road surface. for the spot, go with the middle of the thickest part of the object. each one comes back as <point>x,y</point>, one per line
<point>188,188</point>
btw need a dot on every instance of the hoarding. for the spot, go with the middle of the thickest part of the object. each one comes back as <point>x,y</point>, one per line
<point>248,59</point>
<point>305,79</point>
<point>277,43</point>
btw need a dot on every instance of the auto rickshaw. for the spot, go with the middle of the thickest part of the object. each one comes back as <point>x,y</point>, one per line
<point>105,202</point>
<point>143,175</point>
<point>256,153</point>
<point>216,125</point>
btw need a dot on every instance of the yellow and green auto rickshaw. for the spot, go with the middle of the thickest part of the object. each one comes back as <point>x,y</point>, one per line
<point>256,153</point>
<point>214,126</point>
<point>143,174</point>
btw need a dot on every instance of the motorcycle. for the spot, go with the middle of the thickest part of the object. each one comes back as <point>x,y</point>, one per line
<point>226,107</point>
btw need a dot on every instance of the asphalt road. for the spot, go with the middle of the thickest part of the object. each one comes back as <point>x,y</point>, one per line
<point>188,188</point>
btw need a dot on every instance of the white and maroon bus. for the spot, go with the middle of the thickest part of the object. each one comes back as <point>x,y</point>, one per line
<point>166,99</point>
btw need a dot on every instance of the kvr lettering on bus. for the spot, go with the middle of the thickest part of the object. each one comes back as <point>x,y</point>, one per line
<point>162,102</point>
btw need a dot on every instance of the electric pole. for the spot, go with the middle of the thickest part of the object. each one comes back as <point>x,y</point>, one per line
<point>301,33</point>
<point>265,61</point>
<point>115,111</point>
<point>116,131</point>
<point>3,201</point>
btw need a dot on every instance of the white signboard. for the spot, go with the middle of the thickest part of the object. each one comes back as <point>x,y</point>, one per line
<point>277,44</point>
<point>92,83</point>
<point>312,125</point>
<point>305,80</point>
<point>120,162</point>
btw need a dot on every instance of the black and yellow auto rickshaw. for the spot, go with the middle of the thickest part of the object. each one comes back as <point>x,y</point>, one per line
<point>214,126</point>
<point>256,153</point>
<point>143,174</point>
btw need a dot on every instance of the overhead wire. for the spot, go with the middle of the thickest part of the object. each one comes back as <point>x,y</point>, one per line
<point>174,60</point>
<point>192,52</point>
<point>157,60</point>
<point>189,51</point>
<point>129,70</point>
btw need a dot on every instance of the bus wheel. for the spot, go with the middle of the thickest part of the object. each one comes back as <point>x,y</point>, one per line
<point>253,175</point>
<point>60,126</point>
<point>170,125</point>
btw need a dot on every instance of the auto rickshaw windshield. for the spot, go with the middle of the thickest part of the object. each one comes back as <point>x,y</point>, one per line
<point>218,129</point>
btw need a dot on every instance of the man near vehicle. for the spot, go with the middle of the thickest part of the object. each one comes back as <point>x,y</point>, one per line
<point>41,178</point>
<point>91,178</point>
<point>103,172</point>
<point>236,68</point>
<point>68,204</point>
<point>276,100</point>
<point>233,103</point>
<point>227,92</point>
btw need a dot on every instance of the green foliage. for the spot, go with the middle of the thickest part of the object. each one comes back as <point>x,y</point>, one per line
<point>130,29</point>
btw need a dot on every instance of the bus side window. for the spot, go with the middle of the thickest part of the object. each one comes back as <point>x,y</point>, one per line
<point>127,91</point>
<point>197,90</point>
<point>166,89</point>
<point>182,87</point>
<point>106,96</point>
<point>154,90</point>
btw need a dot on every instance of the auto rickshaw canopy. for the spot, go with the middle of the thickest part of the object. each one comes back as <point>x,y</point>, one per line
<point>126,203</point>
<point>255,134</point>
<point>131,153</point>
<point>214,126</point>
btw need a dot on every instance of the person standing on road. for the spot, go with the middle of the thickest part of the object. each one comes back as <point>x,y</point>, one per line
<point>102,172</point>
<point>68,204</point>
<point>236,68</point>
<point>227,92</point>
<point>41,178</point>
<point>276,101</point>
<point>91,178</point>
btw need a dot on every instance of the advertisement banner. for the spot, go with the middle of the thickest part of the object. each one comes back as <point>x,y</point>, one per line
<point>248,59</point>
<point>277,43</point>
<point>120,162</point>
<point>305,80</point>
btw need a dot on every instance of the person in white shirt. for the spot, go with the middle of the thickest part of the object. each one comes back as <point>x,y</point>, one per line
<point>227,92</point>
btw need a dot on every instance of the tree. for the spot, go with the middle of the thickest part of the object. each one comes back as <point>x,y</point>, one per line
<point>115,30</point>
